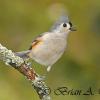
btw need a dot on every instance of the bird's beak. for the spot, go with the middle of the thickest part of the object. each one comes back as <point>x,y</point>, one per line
<point>73,29</point>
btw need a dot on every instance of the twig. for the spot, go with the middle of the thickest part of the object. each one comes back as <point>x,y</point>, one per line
<point>24,67</point>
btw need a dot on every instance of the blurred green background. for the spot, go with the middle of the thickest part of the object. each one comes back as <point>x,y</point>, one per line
<point>79,68</point>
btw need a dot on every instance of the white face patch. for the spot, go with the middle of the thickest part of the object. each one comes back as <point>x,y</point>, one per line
<point>68,25</point>
<point>63,29</point>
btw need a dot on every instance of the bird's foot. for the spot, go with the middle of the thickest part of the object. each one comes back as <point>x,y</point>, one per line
<point>48,68</point>
<point>40,78</point>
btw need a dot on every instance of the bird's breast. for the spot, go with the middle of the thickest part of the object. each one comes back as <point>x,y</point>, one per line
<point>48,51</point>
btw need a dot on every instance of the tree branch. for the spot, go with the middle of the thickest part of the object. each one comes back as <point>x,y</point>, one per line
<point>24,67</point>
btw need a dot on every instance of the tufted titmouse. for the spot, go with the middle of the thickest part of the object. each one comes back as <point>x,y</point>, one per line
<point>48,47</point>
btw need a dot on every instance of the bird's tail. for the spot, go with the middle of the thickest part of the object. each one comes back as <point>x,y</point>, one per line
<point>23,54</point>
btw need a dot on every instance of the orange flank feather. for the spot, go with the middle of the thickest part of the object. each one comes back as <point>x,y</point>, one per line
<point>35,43</point>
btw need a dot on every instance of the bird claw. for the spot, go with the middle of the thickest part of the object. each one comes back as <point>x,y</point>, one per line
<point>40,78</point>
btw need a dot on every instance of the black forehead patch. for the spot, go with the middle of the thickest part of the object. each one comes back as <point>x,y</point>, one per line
<point>70,24</point>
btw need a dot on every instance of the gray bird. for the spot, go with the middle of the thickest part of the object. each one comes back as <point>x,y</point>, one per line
<point>48,47</point>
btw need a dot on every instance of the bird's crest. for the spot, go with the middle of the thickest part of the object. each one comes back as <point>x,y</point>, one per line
<point>61,19</point>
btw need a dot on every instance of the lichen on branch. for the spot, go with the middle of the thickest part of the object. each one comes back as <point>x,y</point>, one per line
<point>24,67</point>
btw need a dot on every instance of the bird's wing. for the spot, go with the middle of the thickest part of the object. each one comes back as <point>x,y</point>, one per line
<point>36,41</point>
<point>25,54</point>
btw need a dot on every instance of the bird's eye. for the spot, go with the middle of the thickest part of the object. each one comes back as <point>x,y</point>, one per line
<point>64,25</point>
